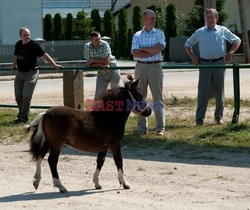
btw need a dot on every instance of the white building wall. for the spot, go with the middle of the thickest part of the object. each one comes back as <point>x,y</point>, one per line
<point>232,9</point>
<point>1,22</point>
<point>15,14</point>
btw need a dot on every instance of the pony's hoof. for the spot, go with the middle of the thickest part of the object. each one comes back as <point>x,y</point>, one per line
<point>35,185</point>
<point>126,187</point>
<point>99,187</point>
<point>64,190</point>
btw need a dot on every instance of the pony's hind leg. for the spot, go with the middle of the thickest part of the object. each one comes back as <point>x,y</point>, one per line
<point>37,176</point>
<point>100,160</point>
<point>53,160</point>
<point>118,161</point>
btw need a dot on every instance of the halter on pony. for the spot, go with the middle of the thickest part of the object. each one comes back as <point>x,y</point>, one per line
<point>136,105</point>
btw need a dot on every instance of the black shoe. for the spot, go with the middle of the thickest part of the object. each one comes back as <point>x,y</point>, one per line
<point>18,121</point>
<point>141,133</point>
<point>199,124</point>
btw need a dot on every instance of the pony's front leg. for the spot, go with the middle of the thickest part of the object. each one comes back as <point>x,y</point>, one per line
<point>37,176</point>
<point>118,161</point>
<point>100,160</point>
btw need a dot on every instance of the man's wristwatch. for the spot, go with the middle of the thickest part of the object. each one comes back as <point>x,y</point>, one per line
<point>231,52</point>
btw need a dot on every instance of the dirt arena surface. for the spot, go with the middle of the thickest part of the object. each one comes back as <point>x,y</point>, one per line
<point>158,180</point>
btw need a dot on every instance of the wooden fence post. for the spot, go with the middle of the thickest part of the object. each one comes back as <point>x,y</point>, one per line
<point>73,89</point>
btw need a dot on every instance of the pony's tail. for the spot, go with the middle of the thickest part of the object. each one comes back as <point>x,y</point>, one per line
<point>39,146</point>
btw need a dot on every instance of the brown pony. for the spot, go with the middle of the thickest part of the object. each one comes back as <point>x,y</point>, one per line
<point>91,131</point>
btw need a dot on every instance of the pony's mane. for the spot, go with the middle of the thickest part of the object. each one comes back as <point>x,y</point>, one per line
<point>117,92</point>
<point>112,94</point>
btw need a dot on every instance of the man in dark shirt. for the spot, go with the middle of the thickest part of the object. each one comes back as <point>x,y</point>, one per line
<point>25,59</point>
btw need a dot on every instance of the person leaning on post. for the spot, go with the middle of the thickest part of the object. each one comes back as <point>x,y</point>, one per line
<point>25,60</point>
<point>97,52</point>
<point>211,40</point>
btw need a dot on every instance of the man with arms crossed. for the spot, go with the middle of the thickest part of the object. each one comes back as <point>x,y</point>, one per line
<point>147,45</point>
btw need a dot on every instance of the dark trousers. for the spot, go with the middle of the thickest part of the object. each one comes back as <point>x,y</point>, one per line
<point>24,86</point>
<point>208,79</point>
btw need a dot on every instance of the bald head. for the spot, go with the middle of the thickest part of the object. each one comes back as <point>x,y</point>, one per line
<point>147,12</point>
<point>24,35</point>
<point>149,19</point>
<point>23,29</point>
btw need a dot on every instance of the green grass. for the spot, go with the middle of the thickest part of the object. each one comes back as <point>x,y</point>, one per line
<point>191,102</point>
<point>7,129</point>
<point>181,135</point>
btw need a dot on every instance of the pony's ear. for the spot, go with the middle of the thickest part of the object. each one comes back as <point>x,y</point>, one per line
<point>134,84</point>
<point>130,77</point>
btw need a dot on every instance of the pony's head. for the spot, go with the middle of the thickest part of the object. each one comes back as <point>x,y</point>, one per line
<point>140,106</point>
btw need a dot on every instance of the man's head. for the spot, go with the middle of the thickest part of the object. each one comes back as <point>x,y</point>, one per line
<point>24,34</point>
<point>149,19</point>
<point>95,38</point>
<point>211,17</point>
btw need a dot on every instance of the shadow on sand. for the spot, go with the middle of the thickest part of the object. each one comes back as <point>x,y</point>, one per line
<point>30,196</point>
<point>179,153</point>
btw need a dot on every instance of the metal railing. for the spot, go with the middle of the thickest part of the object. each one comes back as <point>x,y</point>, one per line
<point>234,67</point>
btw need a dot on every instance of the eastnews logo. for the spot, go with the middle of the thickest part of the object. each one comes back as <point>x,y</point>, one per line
<point>98,105</point>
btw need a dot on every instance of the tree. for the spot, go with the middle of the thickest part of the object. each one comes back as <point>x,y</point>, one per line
<point>109,27</point>
<point>57,26</point>
<point>80,23</point>
<point>122,34</point>
<point>68,33</point>
<point>170,27</point>
<point>47,27</point>
<point>115,46</point>
<point>96,20</point>
<point>130,37</point>
<point>137,19</point>
<point>195,18</point>
<point>220,5</point>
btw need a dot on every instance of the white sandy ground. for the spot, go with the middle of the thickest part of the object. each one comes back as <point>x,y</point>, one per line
<point>158,178</point>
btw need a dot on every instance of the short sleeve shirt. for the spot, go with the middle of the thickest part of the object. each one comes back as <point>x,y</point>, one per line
<point>143,38</point>
<point>100,52</point>
<point>212,42</point>
<point>27,55</point>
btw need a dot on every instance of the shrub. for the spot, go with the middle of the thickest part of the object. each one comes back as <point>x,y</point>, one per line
<point>47,27</point>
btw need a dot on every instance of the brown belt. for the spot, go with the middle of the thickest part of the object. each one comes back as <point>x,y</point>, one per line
<point>149,62</point>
